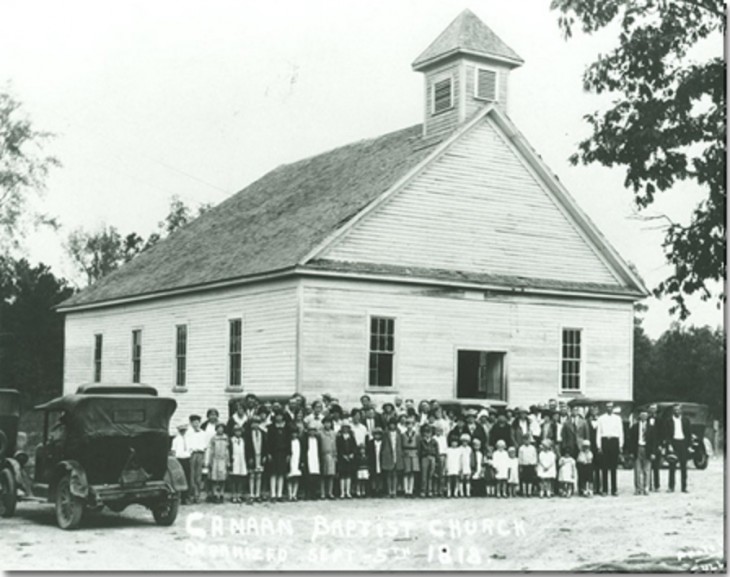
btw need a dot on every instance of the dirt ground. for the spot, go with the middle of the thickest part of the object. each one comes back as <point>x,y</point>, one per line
<point>664,531</point>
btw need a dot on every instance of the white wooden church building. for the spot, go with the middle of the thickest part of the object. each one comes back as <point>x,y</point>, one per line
<point>444,260</point>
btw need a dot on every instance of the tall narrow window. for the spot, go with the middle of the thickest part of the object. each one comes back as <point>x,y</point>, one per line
<point>98,344</point>
<point>486,84</point>
<point>442,99</point>
<point>181,353</point>
<point>234,352</point>
<point>136,355</point>
<point>571,360</point>
<point>382,351</point>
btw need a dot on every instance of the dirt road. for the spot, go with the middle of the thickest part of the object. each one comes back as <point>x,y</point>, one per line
<point>662,531</point>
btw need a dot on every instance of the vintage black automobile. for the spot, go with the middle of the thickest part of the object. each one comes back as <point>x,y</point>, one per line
<point>108,446</point>
<point>9,459</point>
<point>699,420</point>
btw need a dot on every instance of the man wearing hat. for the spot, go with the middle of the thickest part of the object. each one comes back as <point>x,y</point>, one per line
<point>678,435</point>
<point>501,431</point>
<point>521,428</point>
<point>181,452</point>
<point>610,440</point>
<point>572,434</point>
<point>473,428</point>
<point>641,445</point>
<point>197,441</point>
<point>373,449</point>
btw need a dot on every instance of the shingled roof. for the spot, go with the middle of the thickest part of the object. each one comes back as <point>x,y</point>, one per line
<point>467,34</point>
<point>270,225</point>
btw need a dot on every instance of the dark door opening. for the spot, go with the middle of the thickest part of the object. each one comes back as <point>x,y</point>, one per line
<point>480,375</point>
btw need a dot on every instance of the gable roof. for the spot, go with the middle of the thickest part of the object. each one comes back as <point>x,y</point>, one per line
<point>285,221</point>
<point>467,34</point>
<point>270,225</point>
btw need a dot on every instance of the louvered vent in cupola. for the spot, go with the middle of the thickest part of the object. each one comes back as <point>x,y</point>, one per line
<point>486,84</point>
<point>442,96</point>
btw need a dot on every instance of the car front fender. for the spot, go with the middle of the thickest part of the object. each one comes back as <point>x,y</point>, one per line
<point>79,484</point>
<point>175,475</point>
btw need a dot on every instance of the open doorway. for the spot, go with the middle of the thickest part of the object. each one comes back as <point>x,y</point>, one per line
<point>481,375</point>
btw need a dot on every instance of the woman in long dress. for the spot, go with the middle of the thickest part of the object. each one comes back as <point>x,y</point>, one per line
<point>328,457</point>
<point>295,460</point>
<point>278,439</point>
<point>218,459</point>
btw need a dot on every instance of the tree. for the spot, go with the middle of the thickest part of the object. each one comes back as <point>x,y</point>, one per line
<point>24,167</point>
<point>666,123</point>
<point>96,254</point>
<point>31,332</point>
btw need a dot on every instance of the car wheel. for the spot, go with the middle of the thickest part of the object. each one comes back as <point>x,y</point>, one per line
<point>165,513</point>
<point>628,462</point>
<point>700,461</point>
<point>69,508</point>
<point>8,493</point>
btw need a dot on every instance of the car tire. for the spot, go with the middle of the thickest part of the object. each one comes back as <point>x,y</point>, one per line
<point>628,462</point>
<point>165,513</point>
<point>8,493</point>
<point>700,461</point>
<point>69,508</point>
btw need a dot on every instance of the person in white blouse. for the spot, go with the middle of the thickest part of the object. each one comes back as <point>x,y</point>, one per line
<point>181,452</point>
<point>610,441</point>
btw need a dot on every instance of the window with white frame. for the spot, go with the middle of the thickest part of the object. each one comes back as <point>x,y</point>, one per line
<point>570,374</point>
<point>485,84</point>
<point>98,345</point>
<point>136,355</point>
<point>442,95</point>
<point>235,332</point>
<point>382,352</point>
<point>181,355</point>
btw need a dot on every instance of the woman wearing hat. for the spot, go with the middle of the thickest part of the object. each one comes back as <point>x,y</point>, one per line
<point>346,459</point>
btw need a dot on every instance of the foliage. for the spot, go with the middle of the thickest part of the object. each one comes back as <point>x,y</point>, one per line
<point>684,364</point>
<point>24,168</point>
<point>666,123</point>
<point>96,254</point>
<point>31,331</point>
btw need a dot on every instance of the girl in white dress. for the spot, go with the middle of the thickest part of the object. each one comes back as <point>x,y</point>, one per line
<point>239,471</point>
<point>500,462</point>
<point>295,461</point>
<point>453,471</point>
<point>465,452</point>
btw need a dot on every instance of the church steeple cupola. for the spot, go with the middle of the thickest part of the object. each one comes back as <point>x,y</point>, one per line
<point>465,68</point>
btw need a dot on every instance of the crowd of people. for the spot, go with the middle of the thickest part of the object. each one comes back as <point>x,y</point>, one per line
<point>321,451</point>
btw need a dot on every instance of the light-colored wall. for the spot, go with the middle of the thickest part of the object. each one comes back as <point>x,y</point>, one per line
<point>476,208</point>
<point>269,313</point>
<point>431,324</point>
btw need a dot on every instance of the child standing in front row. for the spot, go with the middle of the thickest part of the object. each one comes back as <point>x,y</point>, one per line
<point>500,462</point>
<point>239,472</point>
<point>477,468</point>
<point>546,469</point>
<point>527,460</point>
<point>465,464</point>
<point>489,480</point>
<point>441,480</point>
<point>218,459</point>
<point>566,475</point>
<point>363,472</point>
<point>585,469</point>
<point>513,472</point>
<point>453,472</point>
<point>429,453</point>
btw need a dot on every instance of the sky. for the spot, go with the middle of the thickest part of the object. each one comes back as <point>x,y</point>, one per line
<point>198,99</point>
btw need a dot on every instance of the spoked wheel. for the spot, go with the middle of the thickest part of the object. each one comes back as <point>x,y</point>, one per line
<point>69,508</point>
<point>165,513</point>
<point>8,493</point>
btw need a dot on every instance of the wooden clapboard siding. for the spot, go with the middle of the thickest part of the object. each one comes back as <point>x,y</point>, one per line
<point>477,208</point>
<point>446,121</point>
<point>473,104</point>
<point>432,325</point>
<point>269,314</point>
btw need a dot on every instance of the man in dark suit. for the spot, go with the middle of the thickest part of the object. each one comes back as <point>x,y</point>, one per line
<point>642,443</point>
<point>572,434</point>
<point>656,459</point>
<point>501,431</point>
<point>678,436</point>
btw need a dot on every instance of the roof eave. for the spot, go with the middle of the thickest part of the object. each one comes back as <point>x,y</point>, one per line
<point>421,64</point>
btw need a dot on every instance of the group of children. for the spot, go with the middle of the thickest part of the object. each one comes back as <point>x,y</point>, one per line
<point>358,458</point>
